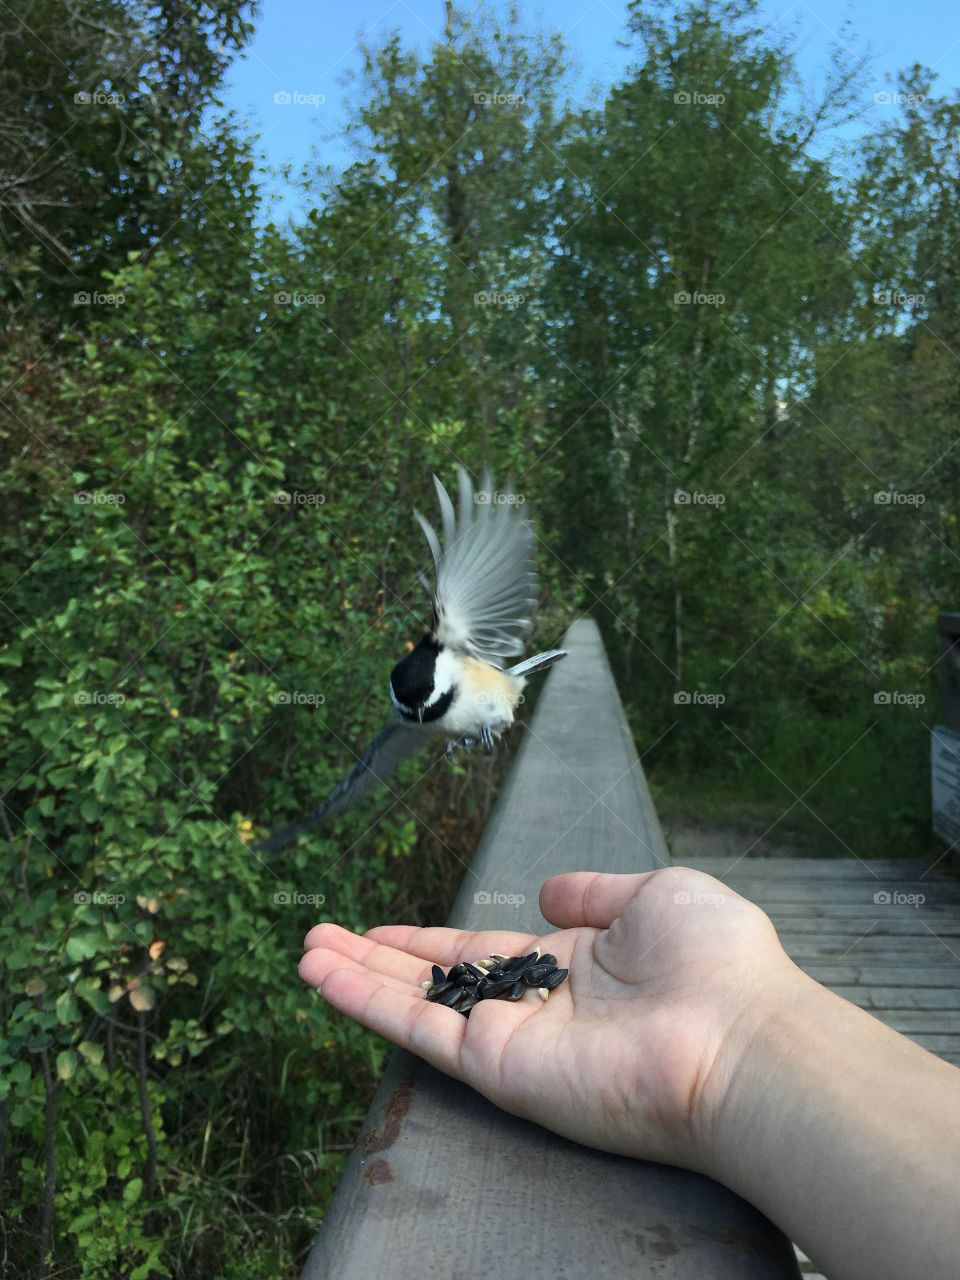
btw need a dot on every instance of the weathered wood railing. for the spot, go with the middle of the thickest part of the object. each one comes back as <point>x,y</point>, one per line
<point>444,1184</point>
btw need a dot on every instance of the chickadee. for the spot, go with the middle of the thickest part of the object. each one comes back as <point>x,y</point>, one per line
<point>454,685</point>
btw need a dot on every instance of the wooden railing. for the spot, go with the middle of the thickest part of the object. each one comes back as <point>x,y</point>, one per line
<point>444,1184</point>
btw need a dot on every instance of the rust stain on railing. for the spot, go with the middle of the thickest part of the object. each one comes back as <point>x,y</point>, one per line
<point>383,1139</point>
<point>376,1174</point>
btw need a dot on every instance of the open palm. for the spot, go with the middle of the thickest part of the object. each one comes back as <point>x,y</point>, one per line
<point>630,1054</point>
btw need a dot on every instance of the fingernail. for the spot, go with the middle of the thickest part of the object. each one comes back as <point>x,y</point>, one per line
<point>319,991</point>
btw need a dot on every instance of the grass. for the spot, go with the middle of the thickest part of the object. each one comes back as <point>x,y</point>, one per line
<point>822,831</point>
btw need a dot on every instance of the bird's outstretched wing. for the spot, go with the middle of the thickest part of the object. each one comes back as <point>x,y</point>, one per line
<point>389,748</point>
<point>486,586</point>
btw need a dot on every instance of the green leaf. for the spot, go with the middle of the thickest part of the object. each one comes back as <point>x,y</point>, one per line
<point>88,989</point>
<point>21,1115</point>
<point>132,1191</point>
<point>90,1050</point>
<point>67,1009</point>
<point>142,998</point>
<point>80,947</point>
<point>66,1064</point>
<point>19,1073</point>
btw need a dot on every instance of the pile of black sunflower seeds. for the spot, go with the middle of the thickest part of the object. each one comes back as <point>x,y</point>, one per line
<point>495,978</point>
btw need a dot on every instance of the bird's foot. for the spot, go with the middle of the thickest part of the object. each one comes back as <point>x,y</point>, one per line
<point>486,739</point>
<point>464,743</point>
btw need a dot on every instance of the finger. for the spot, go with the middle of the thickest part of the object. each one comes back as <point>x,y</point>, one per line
<point>428,1030</point>
<point>588,898</point>
<point>321,961</point>
<point>371,954</point>
<point>449,946</point>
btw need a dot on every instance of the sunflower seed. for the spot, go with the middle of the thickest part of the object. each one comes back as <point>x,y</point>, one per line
<point>490,990</point>
<point>554,979</point>
<point>495,977</point>
<point>534,976</point>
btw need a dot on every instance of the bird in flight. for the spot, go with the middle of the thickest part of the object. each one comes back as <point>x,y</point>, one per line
<point>455,684</point>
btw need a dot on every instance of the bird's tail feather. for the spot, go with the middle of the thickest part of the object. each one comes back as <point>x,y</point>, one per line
<point>392,745</point>
<point>334,802</point>
<point>286,835</point>
<point>539,662</point>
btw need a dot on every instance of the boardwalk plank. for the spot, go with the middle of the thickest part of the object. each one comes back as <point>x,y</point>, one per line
<point>899,962</point>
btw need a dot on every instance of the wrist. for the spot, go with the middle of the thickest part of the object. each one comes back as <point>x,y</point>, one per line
<point>758,1042</point>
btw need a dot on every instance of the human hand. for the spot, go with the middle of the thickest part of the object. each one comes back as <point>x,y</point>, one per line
<point>671,973</point>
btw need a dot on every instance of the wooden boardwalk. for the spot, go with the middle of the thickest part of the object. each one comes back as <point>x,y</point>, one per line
<point>882,934</point>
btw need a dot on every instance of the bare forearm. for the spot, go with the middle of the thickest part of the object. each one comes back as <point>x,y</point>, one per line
<point>847,1135</point>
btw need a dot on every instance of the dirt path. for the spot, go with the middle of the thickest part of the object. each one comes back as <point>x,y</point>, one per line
<point>688,838</point>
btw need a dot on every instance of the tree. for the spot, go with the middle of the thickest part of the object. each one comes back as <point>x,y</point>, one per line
<point>102,100</point>
<point>700,262</point>
<point>465,143</point>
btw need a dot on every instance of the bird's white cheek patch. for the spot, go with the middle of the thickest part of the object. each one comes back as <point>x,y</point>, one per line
<point>446,672</point>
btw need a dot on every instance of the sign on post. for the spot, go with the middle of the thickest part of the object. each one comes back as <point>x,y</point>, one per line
<point>945,785</point>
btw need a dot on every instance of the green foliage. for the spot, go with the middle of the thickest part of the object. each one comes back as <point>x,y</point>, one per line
<point>737,399</point>
<point>154,690</point>
<point>208,560</point>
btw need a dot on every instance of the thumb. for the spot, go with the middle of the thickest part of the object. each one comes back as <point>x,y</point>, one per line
<point>591,899</point>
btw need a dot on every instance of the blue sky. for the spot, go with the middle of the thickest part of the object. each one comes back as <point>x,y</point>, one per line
<point>305,47</point>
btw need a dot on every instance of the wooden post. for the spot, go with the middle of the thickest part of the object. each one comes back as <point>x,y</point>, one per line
<point>444,1184</point>
<point>945,741</point>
